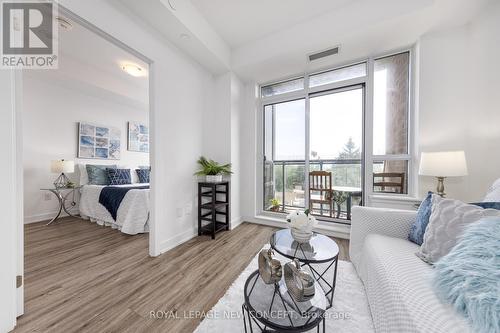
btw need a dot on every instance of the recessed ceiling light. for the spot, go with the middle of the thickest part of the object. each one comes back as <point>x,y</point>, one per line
<point>133,70</point>
<point>64,23</point>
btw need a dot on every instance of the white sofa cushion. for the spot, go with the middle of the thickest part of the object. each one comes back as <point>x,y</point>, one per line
<point>398,287</point>
<point>448,220</point>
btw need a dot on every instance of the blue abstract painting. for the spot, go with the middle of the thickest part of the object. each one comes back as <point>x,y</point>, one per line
<point>96,141</point>
<point>138,137</point>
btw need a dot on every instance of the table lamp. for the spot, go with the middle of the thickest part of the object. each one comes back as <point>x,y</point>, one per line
<point>442,165</point>
<point>62,167</point>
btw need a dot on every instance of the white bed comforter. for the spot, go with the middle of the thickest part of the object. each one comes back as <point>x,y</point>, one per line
<point>132,216</point>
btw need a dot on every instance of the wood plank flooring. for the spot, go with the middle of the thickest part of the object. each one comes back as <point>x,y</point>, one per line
<point>80,277</point>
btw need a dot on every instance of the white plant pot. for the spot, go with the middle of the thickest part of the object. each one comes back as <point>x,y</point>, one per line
<point>302,235</point>
<point>214,179</point>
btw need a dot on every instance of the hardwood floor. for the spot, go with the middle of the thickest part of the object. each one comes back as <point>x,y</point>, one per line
<point>80,277</point>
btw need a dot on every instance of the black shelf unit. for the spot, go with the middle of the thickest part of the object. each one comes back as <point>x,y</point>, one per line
<point>213,202</point>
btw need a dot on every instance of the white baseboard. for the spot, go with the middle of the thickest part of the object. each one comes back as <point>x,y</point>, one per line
<point>44,217</point>
<point>236,222</point>
<point>183,237</point>
<point>177,240</point>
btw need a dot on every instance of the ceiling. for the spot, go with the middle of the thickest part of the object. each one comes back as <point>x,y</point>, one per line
<point>91,63</point>
<point>242,21</point>
<point>268,40</point>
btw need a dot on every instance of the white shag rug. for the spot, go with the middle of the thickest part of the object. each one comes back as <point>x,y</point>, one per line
<point>349,313</point>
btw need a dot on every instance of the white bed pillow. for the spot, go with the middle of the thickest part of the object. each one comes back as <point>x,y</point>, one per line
<point>493,194</point>
<point>449,218</point>
<point>84,176</point>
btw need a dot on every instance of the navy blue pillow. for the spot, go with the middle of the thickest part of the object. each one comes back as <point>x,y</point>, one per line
<point>119,176</point>
<point>486,205</point>
<point>417,230</point>
<point>143,175</point>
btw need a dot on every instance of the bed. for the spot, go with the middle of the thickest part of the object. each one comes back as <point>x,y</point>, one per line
<point>132,213</point>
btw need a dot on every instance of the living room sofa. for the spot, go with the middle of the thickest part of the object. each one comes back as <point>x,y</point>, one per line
<point>396,281</point>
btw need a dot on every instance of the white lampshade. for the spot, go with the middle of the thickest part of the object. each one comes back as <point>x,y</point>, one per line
<point>443,164</point>
<point>62,166</point>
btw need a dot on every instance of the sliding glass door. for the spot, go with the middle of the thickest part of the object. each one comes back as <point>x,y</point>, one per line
<point>331,141</point>
<point>336,146</point>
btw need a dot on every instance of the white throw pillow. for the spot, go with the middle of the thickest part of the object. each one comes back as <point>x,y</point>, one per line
<point>493,194</point>
<point>448,220</point>
<point>84,176</point>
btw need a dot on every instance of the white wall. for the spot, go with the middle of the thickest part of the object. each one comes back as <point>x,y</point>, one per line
<point>221,135</point>
<point>8,237</point>
<point>459,101</point>
<point>51,112</point>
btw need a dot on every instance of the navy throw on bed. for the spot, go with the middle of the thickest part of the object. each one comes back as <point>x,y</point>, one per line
<point>111,197</point>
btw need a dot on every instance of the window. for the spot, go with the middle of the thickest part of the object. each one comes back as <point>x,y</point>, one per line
<point>284,155</point>
<point>391,79</point>
<point>324,130</point>
<point>337,75</point>
<point>282,87</point>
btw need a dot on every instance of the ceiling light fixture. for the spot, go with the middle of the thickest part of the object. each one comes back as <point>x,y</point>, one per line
<point>133,70</point>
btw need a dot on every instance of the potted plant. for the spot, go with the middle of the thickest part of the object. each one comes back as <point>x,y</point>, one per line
<point>301,225</point>
<point>212,170</point>
<point>275,205</point>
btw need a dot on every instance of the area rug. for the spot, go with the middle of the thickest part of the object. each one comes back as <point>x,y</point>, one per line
<point>349,313</point>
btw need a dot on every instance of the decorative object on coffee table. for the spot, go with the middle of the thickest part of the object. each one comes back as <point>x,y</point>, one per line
<point>299,282</point>
<point>213,171</point>
<point>270,269</point>
<point>213,202</point>
<point>442,165</point>
<point>318,256</point>
<point>301,225</point>
<point>271,308</point>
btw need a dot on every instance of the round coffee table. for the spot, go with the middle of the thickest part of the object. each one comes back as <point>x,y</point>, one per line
<point>271,308</point>
<point>319,255</point>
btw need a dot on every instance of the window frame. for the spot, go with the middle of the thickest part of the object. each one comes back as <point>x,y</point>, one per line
<point>368,158</point>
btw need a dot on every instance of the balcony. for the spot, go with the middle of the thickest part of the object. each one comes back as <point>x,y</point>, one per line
<point>286,185</point>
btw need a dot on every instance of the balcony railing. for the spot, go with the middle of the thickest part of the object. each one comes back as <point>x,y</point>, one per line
<point>285,181</point>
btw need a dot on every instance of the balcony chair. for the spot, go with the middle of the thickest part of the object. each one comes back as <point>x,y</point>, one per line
<point>320,191</point>
<point>397,185</point>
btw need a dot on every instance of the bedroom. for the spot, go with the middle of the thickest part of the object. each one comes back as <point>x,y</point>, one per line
<point>93,113</point>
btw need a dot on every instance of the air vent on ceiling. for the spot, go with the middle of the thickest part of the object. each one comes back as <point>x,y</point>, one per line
<point>325,53</point>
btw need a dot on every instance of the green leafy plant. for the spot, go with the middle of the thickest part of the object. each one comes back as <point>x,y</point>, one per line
<point>212,168</point>
<point>275,204</point>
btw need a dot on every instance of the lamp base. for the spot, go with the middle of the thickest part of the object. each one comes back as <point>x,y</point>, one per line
<point>440,187</point>
<point>61,181</point>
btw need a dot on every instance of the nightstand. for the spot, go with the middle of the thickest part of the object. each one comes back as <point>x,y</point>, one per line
<point>66,198</point>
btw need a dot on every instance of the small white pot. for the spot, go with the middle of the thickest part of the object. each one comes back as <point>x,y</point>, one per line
<point>302,235</point>
<point>214,179</point>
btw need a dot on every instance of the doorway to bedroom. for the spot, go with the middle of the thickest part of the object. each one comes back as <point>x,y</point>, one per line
<point>86,162</point>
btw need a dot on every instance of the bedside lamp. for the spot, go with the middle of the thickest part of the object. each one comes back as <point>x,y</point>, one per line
<point>442,165</point>
<point>62,167</point>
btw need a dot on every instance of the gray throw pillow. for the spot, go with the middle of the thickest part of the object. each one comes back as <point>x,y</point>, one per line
<point>98,174</point>
<point>449,219</point>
